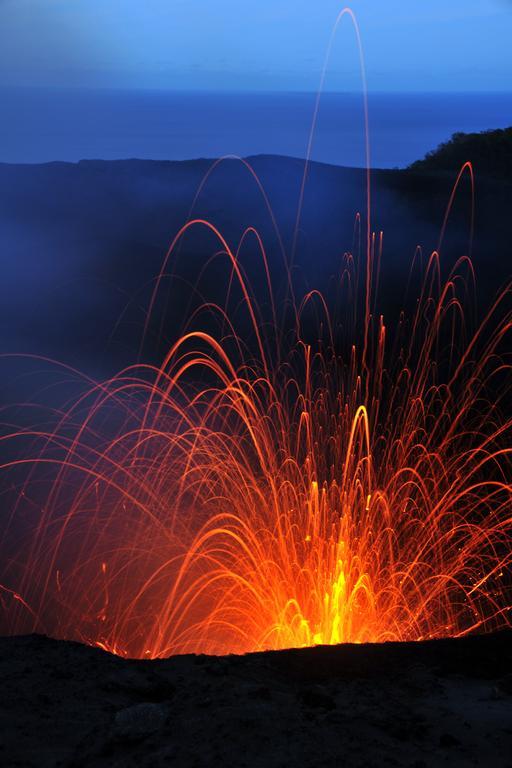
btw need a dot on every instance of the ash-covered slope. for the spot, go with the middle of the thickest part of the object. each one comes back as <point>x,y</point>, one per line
<point>419,704</point>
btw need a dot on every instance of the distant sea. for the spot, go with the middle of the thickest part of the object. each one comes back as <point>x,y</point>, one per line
<point>45,125</point>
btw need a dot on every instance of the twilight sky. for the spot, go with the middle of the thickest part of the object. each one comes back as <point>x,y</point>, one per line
<point>255,44</point>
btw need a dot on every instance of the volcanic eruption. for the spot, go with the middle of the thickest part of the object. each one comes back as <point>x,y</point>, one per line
<point>287,476</point>
<point>295,471</point>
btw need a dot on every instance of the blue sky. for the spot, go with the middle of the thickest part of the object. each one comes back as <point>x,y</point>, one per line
<point>255,44</point>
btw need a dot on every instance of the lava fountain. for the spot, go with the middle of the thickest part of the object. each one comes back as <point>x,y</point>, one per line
<point>268,486</point>
<point>265,491</point>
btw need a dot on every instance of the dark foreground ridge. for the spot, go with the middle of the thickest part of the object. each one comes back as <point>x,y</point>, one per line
<point>436,703</point>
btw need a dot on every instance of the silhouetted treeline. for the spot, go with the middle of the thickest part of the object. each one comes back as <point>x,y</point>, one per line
<point>489,151</point>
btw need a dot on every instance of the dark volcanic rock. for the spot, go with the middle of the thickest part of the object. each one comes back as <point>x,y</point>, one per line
<point>140,720</point>
<point>417,704</point>
<point>317,697</point>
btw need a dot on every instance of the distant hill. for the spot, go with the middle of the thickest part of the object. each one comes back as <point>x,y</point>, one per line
<point>489,151</point>
<point>81,242</point>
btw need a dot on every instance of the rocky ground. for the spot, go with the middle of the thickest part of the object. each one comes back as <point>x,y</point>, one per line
<point>421,704</point>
